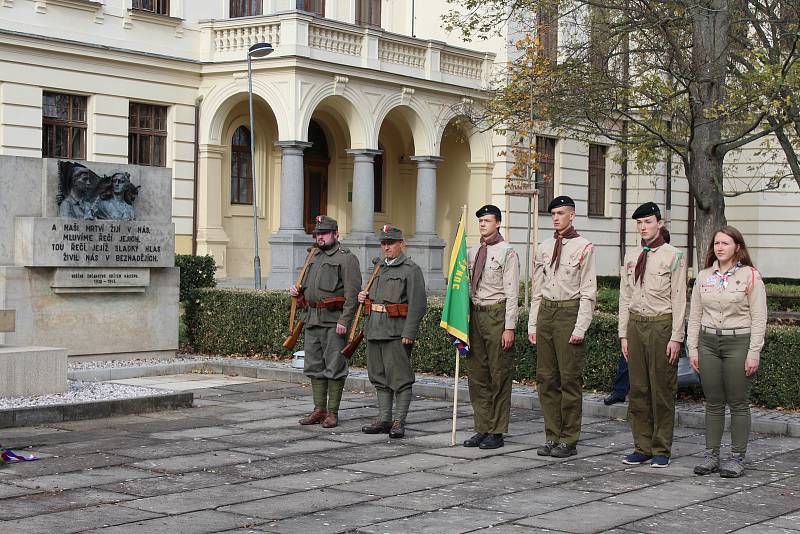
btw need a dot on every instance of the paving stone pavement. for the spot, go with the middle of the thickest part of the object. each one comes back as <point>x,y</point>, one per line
<point>239,462</point>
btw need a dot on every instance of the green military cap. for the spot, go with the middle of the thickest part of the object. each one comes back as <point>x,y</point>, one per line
<point>391,233</point>
<point>325,224</point>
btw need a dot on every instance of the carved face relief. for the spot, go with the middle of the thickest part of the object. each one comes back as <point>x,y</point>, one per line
<point>120,181</point>
<point>82,181</point>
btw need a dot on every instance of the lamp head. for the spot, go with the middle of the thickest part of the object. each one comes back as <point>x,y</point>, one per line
<point>260,50</point>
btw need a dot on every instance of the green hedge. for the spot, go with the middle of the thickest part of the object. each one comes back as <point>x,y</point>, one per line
<point>255,323</point>
<point>196,272</point>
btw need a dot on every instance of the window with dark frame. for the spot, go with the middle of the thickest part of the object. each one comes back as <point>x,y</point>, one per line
<point>597,180</point>
<point>368,13</point>
<point>378,173</point>
<point>147,134</point>
<point>545,175</point>
<point>158,7</point>
<point>63,126</point>
<point>316,7</point>
<point>547,29</point>
<point>245,8</point>
<point>241,168</point>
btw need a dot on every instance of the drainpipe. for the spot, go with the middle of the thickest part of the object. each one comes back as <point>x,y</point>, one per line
<point>623,198</point>
<point>413,17</point>
<point>197,102</point>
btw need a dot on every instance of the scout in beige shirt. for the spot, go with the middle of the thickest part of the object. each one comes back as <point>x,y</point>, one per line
<point>727,324</point>
<point>494,288</point>
<point>652,308</point>
<point>564,295</point>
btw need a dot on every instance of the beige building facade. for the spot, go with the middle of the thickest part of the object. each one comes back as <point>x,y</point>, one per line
<point>358,115</point>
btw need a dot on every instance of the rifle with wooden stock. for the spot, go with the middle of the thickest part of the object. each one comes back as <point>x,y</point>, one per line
<point>355,340</point>
<point>296,329</point>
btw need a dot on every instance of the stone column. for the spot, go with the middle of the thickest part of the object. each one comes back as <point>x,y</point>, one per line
<point>362,240</point>
<point>426,194</point>
<point>426,247</point>
<point>288,245</point>
<point>211,236</point>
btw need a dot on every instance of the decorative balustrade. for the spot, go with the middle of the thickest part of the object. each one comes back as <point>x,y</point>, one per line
<point>334,40</point>
<point>461,65</point>
<point>401,53</point>
<point>240,38</point>
<point>301,35</point>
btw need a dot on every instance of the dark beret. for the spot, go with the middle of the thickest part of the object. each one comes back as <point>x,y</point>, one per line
<point>647,209</point>
<point>560,201</point>
<point>489,209</point>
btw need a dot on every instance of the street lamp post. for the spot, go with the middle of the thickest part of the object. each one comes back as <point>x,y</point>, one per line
<point>257,50</point>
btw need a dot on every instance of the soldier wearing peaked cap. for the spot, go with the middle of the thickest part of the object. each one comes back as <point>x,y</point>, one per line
<point>564,295</point>
<point>652,309</point>
<point>395,304</point>
<point>329,291</point>
<point>494,287</point>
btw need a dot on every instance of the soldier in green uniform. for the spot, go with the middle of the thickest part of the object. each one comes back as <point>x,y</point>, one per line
<point>395,304</point>
<point>329,290</point>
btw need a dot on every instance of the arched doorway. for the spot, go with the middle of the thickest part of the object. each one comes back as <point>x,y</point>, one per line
<point>316,161</point>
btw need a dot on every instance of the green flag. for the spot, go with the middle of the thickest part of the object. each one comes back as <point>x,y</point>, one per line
<point>455,313</point>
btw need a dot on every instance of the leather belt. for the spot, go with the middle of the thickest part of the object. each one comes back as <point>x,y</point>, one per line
<point>572,303</point>
<point>487,307</point>
<point>393,310</point>
<point>653,319</point>
<point>725,331</point>
<point>332,303</point>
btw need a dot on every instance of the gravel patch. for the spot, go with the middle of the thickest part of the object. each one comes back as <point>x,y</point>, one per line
<point>152,362</point>
<point>79,392</point>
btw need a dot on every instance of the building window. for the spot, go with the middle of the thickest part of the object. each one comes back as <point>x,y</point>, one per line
<point>241,169</point>
<point>597,180</point>
<point>316,7</point>
<point>147,135</point>
<point>245,8</point>
<point>63,126</point>
<point>545,175</point>
<point>547,29</point>
<point>159,7</point>
<point>368,13</point>
<point>378,173</point>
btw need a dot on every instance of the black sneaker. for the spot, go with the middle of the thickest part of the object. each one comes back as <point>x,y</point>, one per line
<point>562,450</point>
<point>492,441</point>
<point>546,449</point>
<point>613,399</point>
<point>475,440</point>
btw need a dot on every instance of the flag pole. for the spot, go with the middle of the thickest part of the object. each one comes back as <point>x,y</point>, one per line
<point>458,356</point>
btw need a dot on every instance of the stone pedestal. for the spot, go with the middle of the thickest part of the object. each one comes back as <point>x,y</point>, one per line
<point>29,371</point>
<point>288,252</point>
<point>427,251</point>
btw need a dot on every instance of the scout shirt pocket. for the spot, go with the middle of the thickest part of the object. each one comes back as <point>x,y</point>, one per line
<point>658,279</point>
<point>392,289</point>
<point>328,277</point>
<point>570,271</point>
<point>737,293</point>
<point>493,272</point>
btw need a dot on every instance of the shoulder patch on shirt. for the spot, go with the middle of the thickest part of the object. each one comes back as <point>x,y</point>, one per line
<point>679,261</point>
<point>585,251</point>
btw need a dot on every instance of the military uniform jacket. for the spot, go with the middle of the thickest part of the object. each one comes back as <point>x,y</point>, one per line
<point>741,303</point>
<point>399,283</point>
<point>332,273</point>
<point>663,290</point>
<point>500,280</point>
<point>575,278</point>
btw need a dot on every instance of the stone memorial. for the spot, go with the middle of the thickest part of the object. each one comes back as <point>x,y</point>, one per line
<point>87,257</point>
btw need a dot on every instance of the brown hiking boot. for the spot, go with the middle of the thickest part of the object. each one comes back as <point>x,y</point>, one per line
<point>331,420</point>
<point>377,427</point>
<point>314,417</point>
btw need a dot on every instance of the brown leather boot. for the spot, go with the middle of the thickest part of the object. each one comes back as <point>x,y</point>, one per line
<point>377,427</point>
<point>331,420</point>
<point>314,417</point>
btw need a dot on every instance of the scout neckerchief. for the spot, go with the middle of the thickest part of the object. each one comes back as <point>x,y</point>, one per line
<point>480,259</point>
<point>723,278</point>
<point>641,263</point>
<point>571,233</point>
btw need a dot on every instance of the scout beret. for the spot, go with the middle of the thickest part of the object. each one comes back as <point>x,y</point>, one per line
<point>488,209</point>
<point>325,224</point>
<point>647,209</point>
<point>391,233</point>
<point>560,201</point>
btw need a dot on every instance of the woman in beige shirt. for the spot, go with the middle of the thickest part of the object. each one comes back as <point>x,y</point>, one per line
<point>727,323</point>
